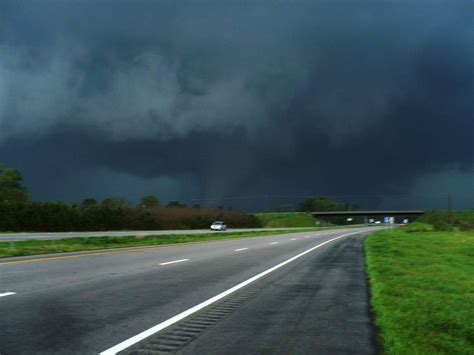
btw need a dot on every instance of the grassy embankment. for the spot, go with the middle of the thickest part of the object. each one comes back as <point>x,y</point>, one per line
<point>285,219</point>
<point>296,219</point>
<point>35,247</point>
<point>422,286</point>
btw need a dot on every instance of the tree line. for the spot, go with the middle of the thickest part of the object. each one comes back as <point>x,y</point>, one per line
<point>324,204</point>
<point>19,213</point>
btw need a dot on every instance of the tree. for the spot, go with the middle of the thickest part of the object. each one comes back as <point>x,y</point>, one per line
<point>116,202</point>
<point>149,201</point>
<point>322,204</point>
<point>175,204</point>
<point>89,202</point>
<point>11,189</point>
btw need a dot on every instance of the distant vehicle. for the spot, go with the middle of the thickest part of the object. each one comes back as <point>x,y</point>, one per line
<point>218,226</point>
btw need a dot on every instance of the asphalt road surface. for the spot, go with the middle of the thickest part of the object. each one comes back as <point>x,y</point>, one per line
<point>61,235</point>
<point>300,293</point>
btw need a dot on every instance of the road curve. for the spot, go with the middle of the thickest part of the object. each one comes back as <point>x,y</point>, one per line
<point>317,301</point>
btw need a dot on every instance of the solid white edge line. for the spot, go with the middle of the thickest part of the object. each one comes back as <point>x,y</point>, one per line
<point>173,262</point>
<point>155,329</point>
<point>7,294</point>
<point>240,249</point>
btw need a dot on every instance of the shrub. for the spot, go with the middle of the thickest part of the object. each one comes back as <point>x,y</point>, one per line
<point>466,225</point>
<point>441,225</point>
<point>446,221</point>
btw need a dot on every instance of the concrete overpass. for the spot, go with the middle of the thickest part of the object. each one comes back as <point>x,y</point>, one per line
<point>368,213</point>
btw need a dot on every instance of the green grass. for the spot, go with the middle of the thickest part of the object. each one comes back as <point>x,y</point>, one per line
<point>466,216</point>
<point>444,220</point>
<point>37,246</point>
<point>422,286</point>
<point>286,219</point>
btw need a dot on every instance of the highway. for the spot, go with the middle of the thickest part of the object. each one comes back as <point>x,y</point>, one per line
<point>299,293</point>
<point>61,235</point>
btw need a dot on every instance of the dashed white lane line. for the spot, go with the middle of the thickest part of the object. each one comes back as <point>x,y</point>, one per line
<point>307,236</point>
<point>240,249</point>
<point>273,243</point>
<point>174,262</point>
<point>293,238</point>
<point>165,324</point>
<point>7,294</point>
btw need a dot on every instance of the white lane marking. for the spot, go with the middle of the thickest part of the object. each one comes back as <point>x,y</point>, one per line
<point>7,294</point>
<point>155,329</point>
<point>240,249</point>
<point>307,236</point>
<point>173,262</point>
<point>293,238</point>
<point>273,243</point>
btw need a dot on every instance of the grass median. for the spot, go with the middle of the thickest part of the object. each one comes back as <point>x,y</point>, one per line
<point>422,286</point>
<point>41,246</point>
<point>51,246</point>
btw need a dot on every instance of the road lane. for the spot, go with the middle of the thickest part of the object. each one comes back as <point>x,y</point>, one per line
<point>96,266</point>
<point>127,345</point>
<point>91,303</point>
<point>318,306</point>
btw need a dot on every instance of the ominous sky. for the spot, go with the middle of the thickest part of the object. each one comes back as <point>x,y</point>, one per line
<point>241,102</point>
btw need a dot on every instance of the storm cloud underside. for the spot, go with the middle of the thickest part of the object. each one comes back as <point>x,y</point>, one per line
<point>222,100</point>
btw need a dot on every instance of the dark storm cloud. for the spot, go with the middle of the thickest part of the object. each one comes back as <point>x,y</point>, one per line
<point>238,98</point>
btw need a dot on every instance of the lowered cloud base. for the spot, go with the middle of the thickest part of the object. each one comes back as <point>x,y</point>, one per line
<point>217,100</point>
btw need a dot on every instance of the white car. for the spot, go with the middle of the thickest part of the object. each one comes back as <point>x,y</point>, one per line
<point>218,226</point>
